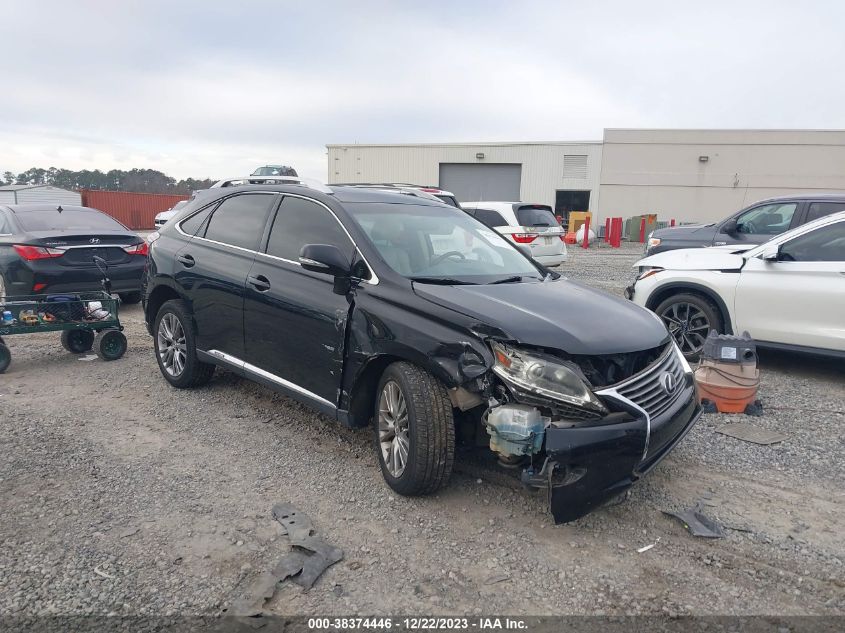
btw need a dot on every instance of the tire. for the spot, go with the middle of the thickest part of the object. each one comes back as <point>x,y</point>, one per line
<point>429,430</point>
<point>110,344</point>
<point>77,341</point>
<point>130,298</point>
<point>690,317</point>
<point>5,358</point>
<point>170,347</point>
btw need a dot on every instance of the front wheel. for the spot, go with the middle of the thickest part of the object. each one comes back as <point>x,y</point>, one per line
<point>690,318</point>
<point>414,430</point>
<point>110,344</point>
<point>175,347</point>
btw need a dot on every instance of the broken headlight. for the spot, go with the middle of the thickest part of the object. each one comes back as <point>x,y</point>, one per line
<point>543,376</point>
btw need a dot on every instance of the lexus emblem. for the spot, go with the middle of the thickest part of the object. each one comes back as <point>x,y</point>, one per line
<point>667,381</point>
<point>94,240</point>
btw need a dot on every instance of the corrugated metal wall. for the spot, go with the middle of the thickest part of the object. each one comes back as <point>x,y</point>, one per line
<point>48,195</point>
<point>135,210</point>
<point>542,165</point>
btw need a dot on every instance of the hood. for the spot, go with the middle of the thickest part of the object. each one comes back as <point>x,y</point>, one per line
<point>718,258</point>
<point>702,233</point>
<point>561,315</point>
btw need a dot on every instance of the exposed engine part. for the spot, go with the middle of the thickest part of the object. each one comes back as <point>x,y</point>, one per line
<point>515,429</point>
<point>464,399</point>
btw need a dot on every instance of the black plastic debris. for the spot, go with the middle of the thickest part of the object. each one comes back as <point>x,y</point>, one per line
<point>308,558</point>
<point>697,523</point>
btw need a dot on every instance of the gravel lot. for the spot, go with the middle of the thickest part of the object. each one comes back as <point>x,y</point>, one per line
<point>122,495</point>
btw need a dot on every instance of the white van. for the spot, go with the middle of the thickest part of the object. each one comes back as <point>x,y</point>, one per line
<point>527,224</point>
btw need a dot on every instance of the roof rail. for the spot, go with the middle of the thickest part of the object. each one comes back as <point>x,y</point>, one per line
<point>391,188</point>
<point>311,183</point>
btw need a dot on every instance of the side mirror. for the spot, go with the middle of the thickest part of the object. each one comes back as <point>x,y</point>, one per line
<point>730,227</point>
<point>770,253</point>
<point>324,258</point>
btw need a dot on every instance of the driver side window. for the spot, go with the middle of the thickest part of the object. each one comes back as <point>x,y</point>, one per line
<point>825,244</point>
<point>768,219</point>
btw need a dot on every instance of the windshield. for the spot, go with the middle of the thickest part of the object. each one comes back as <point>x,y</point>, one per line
<point>440,244</point>
<point>68,219</point>
<point>275,170</point>
<point>536,216</point>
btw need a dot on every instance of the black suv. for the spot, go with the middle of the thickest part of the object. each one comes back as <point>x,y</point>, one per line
<point>375,306</point>
<point>753,225</point>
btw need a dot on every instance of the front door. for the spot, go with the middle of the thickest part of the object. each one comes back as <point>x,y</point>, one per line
<point>760,224</point>
<point>294,323</point>
<point>212,269</point>
<point>800,298</point>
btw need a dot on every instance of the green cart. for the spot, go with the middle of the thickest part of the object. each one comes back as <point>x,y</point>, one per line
<point>87,320</point>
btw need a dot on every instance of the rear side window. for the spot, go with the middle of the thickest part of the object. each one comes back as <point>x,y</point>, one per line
<point>490,218</point>
<point>194,224</point>
<point>536,216</point>
<point>299,222</point>
<point>820,209</point>
<point>68,219</point>
<point>240,220</point>
<point>5,227</point>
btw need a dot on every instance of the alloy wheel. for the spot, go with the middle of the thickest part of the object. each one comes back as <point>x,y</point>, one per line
<point>689,326</point>
<point>393,433</point>
<point>172,348</point>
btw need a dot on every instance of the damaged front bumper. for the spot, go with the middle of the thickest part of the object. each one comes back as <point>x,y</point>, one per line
<point>587,465</point>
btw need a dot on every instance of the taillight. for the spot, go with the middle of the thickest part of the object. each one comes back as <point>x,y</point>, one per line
<point>30,253</point>
<point>524,238</point>
<point>562,237</point>
<point>137,249</point>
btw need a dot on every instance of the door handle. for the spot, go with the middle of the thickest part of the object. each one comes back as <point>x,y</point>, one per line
<point>186,260</point>
<point>259,282</point>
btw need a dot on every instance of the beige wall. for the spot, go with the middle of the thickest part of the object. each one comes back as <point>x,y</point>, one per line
<point>542,164</point>
<point>658,171</point>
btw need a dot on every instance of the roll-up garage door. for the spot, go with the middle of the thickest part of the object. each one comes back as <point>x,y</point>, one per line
<point>472,181</point>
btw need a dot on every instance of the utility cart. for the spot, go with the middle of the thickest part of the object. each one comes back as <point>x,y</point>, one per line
<point>87,320</point>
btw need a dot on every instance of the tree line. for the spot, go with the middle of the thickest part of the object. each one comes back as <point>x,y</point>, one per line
<point>140,180</point>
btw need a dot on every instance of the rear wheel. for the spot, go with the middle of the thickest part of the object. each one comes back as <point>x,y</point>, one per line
<point>414,430</point>
<point>130,298</point>
<point>175,347</point>
<point>77,341</point>
<point>110,344</point>
<point>690,318</point>
<point>5,357</point>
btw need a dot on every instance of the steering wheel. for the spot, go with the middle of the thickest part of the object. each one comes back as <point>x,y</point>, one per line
<point>748,227</point>
<point>446,255</point>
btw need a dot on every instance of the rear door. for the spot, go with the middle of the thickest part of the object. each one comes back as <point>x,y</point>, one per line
<point>294,322</point>
<point>799,299</point>
<point>212,269</point>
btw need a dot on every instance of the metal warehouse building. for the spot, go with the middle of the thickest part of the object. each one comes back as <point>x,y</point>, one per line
<point>38,194</point>
<point>689,175</point>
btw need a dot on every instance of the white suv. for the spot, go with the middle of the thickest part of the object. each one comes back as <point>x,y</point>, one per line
<point>788,293</point>
<point>531,225</point>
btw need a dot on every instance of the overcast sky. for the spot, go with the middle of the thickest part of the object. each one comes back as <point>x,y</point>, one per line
<point>217,88</point>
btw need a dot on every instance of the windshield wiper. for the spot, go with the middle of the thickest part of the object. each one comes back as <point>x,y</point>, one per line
<point>442,281</point>
<point>507,280</point>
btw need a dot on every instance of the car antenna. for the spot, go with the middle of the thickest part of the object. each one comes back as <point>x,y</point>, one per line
<point>59,208</point>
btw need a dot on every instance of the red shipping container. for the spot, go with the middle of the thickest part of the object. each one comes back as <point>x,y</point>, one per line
<point>135,210</point>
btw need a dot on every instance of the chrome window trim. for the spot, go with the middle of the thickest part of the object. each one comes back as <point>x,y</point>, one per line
<point>373,281</point>
<point>233,360</point>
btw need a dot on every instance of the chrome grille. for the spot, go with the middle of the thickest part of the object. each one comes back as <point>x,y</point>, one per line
<point>646,389</point>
